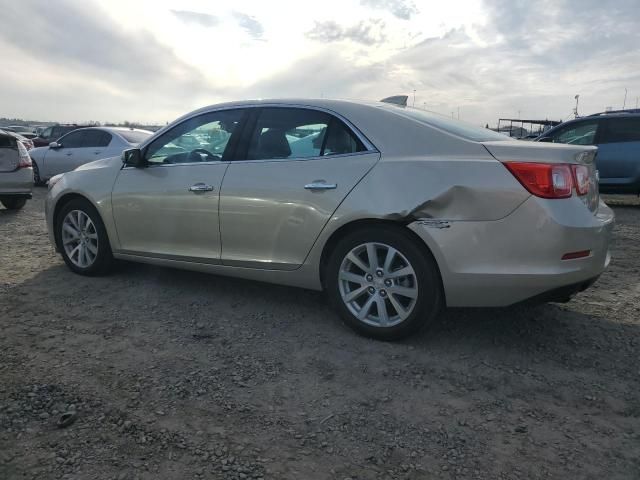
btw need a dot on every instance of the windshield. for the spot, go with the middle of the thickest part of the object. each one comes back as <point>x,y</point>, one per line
<point>134,136</point>
<point>456,127</point>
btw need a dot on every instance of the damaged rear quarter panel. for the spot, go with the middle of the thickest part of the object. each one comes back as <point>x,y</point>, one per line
<point>430,188</point>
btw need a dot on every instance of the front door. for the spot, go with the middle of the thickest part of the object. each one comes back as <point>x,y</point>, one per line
<point>63,158</point>
<point>291,171</point>
<point>170,208</point>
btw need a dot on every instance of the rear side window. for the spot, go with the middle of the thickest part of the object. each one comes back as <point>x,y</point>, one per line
<point>299,133</point>
<point>615,130</point>
<point>581,133</point>
<point>96,138</point>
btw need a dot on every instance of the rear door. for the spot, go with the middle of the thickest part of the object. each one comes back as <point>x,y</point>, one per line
<point>63,159</point>
<point>292,169</point>
<point>93,147</point>
<point>618,157</point>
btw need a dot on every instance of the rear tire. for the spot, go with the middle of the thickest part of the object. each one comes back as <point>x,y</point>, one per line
<point>13,203</point>
<point>391,297</point>
<point>82,238</point>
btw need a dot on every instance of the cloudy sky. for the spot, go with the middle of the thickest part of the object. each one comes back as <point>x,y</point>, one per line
<point>152,60</point>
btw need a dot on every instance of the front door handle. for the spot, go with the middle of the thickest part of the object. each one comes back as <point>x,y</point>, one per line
<point>320,185</point>
<point>200,187</point>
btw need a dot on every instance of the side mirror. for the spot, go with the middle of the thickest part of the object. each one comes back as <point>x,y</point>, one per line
<point>133,158</point>
<point>546,140</point>
<point>55,145</point>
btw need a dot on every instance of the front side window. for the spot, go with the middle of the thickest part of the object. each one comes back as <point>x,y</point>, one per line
<point>616,130</point>
<point>299,133</point>
<point>583,133</point>
<point>73,140</point>
<point>200,139</point>
<point>47,132</point>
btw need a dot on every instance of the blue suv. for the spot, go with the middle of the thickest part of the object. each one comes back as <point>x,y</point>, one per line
<point>617,136</point>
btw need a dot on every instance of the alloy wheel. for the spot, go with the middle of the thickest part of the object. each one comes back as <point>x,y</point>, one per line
<point>378,284</point>
<point>79,238</point>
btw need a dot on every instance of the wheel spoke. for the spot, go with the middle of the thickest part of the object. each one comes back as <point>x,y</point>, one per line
<point>383,316</point>
<point>388,261</point>
<point>92,248</point>
<point>357,262</point>
<point>92,236</point>
<point>352,277</point>
<point>400,310</point>
<point>372,256</point>
<point>364,311</point>
<point>403,272</point>
<point>74,251</point>
<point>70,230</point>
<point>352,295</point>
<point>403,291</point>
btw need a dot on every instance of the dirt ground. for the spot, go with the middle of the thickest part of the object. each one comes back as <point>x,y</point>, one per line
<point>178,375</point>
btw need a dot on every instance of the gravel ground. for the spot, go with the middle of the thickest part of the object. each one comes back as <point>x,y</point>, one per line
<point>171,374</point>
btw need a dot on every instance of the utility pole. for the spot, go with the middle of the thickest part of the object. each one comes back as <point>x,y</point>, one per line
<point>624,104</point>
<point>458,113</point>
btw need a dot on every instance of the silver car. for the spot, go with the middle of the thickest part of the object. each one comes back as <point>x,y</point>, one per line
<point>81,146</point>
<point>393,211</point>
<point>16,175</point>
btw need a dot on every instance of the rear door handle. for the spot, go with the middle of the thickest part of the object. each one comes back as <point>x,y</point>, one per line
<point>320,185</point>
<point>200,187</point>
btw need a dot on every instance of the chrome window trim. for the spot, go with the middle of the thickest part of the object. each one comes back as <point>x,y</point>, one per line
<point>186,164</point>
<point>263,160</point>
<point>304,159</point>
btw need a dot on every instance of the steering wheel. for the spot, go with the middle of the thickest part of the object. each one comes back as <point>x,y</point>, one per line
<point>199,151</point>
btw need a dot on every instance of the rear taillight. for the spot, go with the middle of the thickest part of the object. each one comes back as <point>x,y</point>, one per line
<point>25,159</point>
<point>545,180</point>
<point>581,179</point>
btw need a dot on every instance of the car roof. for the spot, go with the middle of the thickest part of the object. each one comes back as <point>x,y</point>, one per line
<point>386,127</point>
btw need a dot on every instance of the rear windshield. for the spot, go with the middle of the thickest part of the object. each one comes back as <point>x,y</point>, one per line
<point>7,141</point>
<point>133,136</point>
<point>456,127</point>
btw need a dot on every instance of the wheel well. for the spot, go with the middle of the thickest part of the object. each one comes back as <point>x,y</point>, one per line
<point>370,222</point>
<point>59,205</point>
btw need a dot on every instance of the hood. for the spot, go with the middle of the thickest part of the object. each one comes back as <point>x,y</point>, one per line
<point>536,152</point>
<point>111,162</point>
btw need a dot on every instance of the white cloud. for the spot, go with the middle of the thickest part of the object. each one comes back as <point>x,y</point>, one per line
<point>89,60</point>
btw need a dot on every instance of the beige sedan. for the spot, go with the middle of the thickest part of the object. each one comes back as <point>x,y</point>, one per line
<point>393,211</point>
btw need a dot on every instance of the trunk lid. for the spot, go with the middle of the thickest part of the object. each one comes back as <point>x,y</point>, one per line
<point>537,152</point>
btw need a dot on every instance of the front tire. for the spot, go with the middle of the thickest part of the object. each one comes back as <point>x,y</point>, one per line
<point>383,284</point>
<point>13,203</point>
<point>83,239</point>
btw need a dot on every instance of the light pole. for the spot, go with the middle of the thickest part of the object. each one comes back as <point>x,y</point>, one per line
<point>575,110</point>
<point>414,97</point>
<point>624,104</point>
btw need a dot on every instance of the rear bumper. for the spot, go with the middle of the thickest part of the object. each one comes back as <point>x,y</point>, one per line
<point>503,262</point>
<point>18,182</point>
